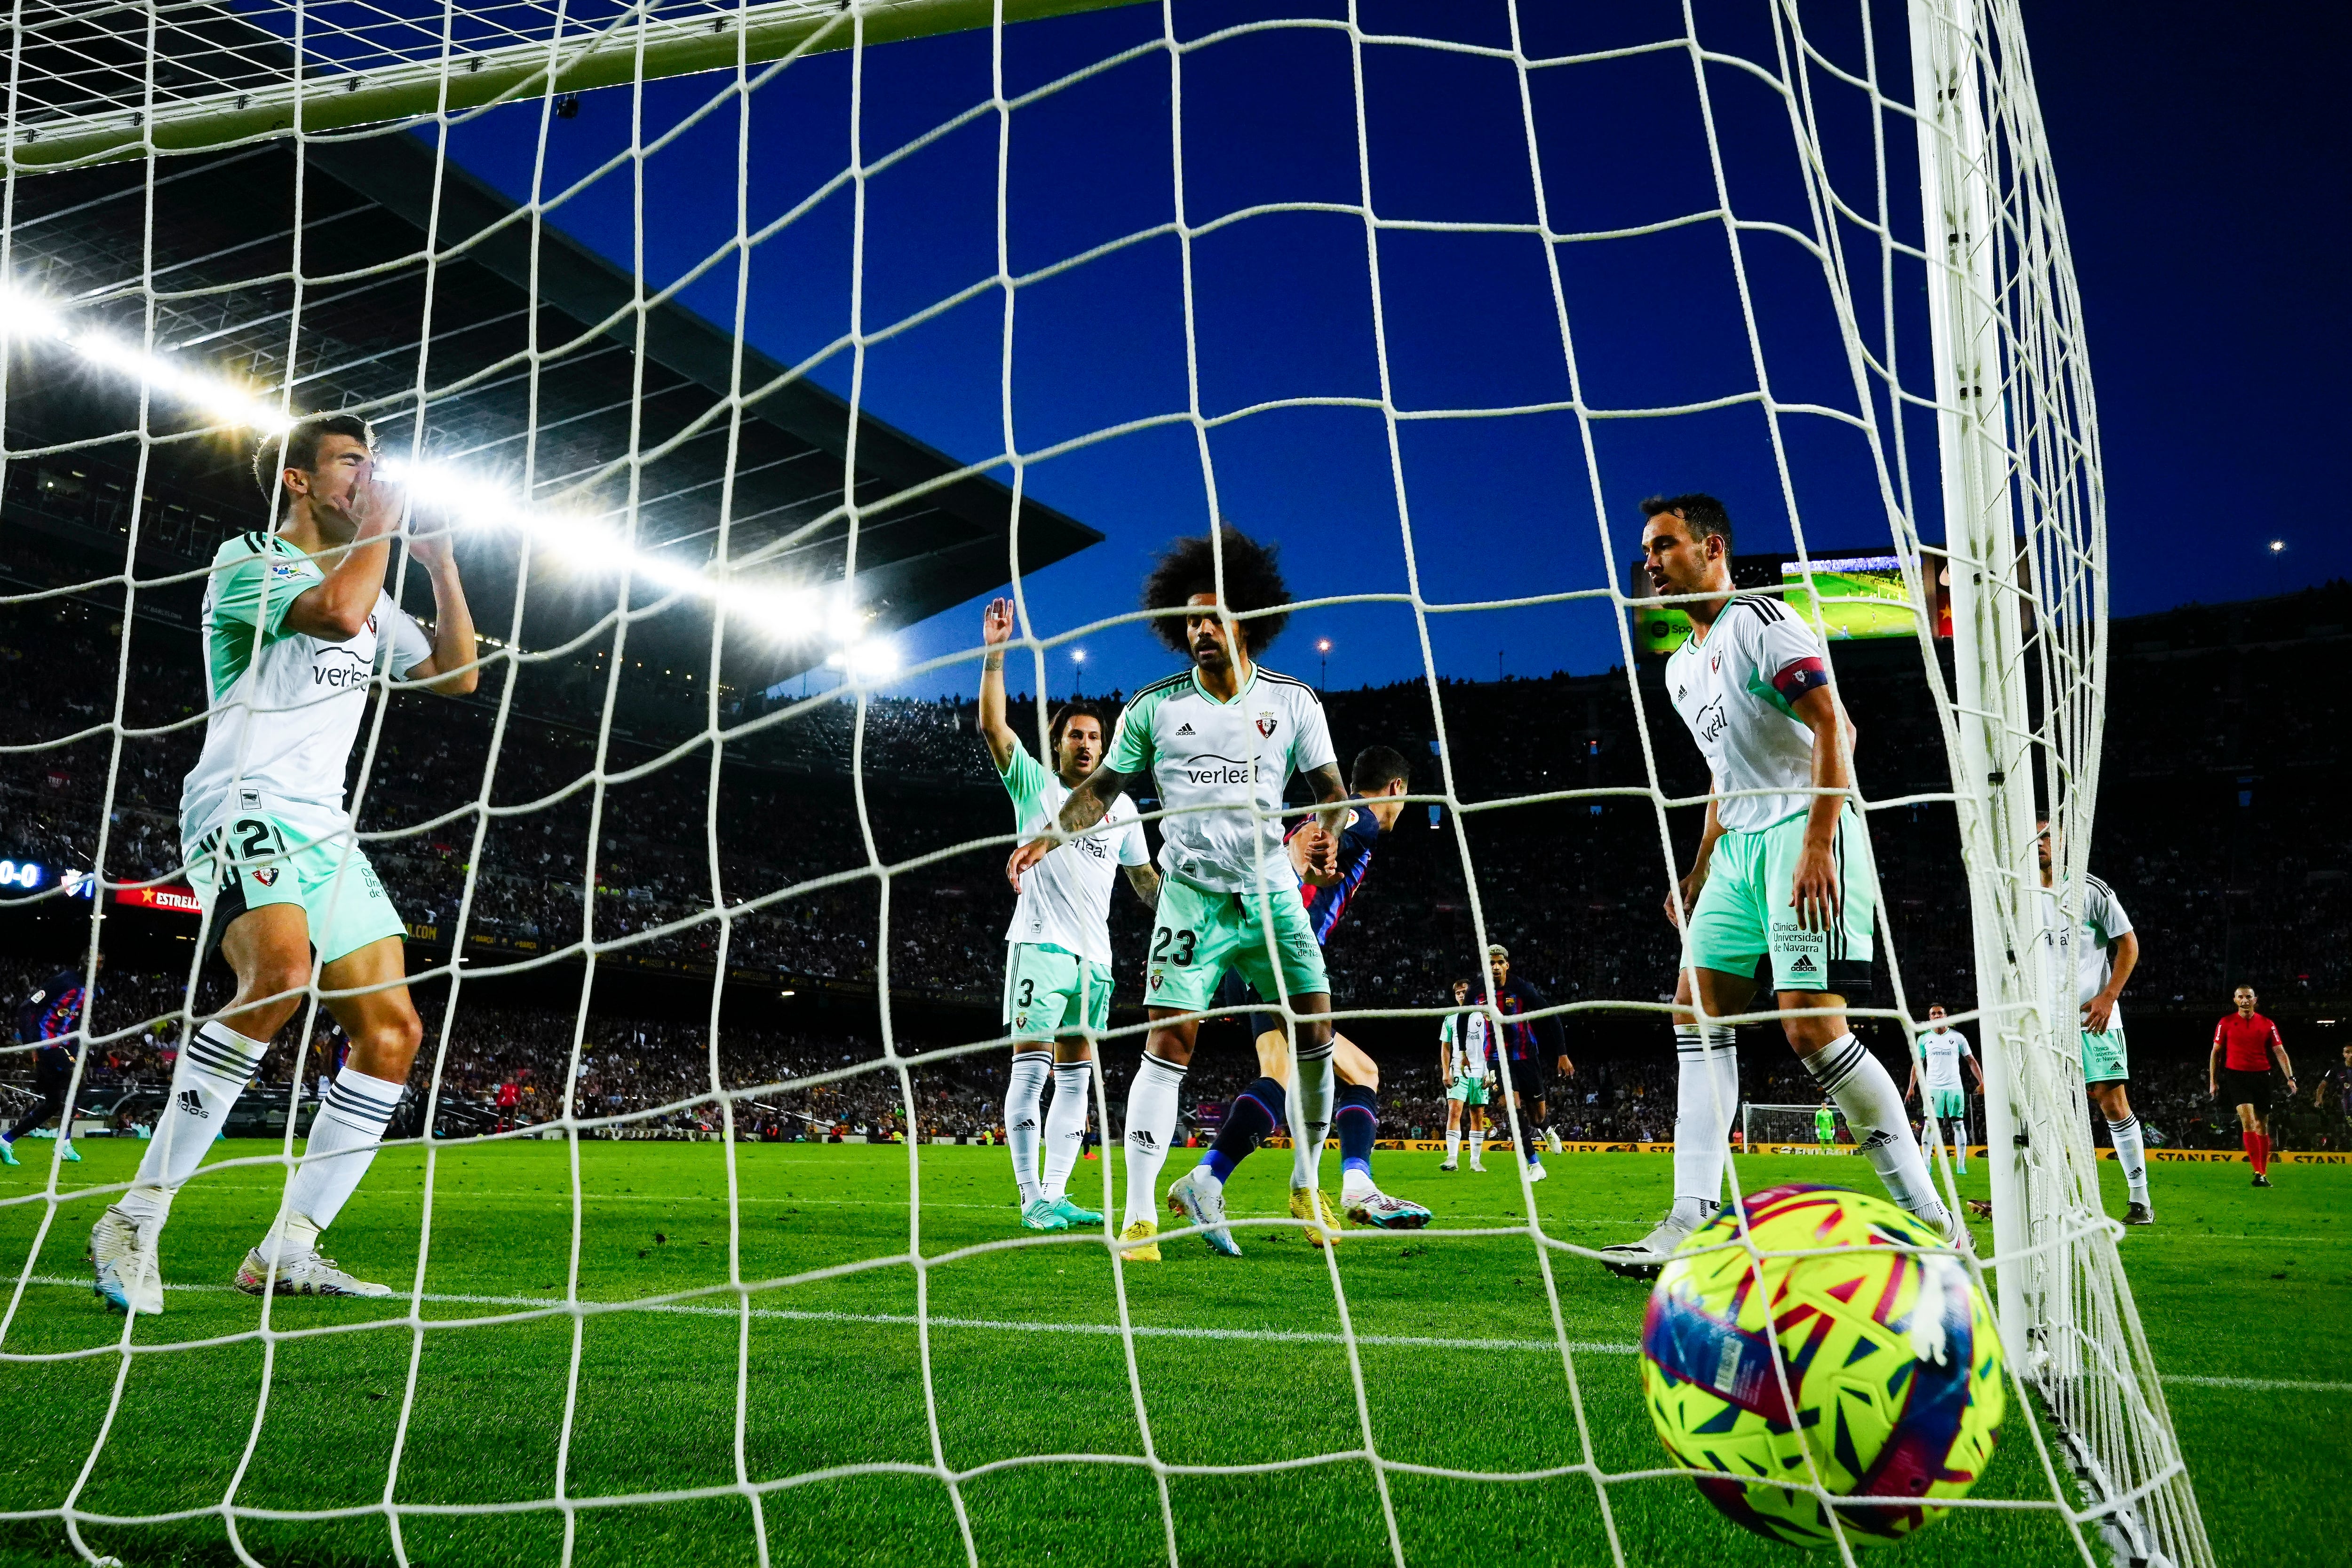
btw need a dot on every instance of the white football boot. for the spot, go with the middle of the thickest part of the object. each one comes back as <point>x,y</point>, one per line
<point>311,1274</point>
<point>1642,1259</point>
<point>123,1268</point>
<point>1199,1199</point>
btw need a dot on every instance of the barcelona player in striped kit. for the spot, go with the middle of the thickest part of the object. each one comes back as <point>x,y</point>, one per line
<point>1378,780</point>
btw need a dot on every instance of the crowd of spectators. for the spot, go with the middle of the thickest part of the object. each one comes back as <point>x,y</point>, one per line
<point>2214,827</point>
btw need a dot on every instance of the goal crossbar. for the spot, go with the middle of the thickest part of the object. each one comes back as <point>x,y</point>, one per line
<point>642,49</point>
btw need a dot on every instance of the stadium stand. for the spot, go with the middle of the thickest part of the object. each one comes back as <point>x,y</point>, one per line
<point>2220,757</point>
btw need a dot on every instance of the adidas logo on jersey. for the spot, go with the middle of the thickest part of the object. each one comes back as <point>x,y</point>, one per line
<point>1183,729</point>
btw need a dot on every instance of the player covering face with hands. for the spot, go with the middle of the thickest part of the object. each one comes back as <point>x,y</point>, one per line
<point>297,626</point>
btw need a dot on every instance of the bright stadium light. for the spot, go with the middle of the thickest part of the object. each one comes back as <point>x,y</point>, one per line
<point>2277,545</point>
<point>868,661</point>
<point>579,542</point>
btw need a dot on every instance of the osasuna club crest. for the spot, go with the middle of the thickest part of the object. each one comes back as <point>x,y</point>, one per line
<point>1265,722</point>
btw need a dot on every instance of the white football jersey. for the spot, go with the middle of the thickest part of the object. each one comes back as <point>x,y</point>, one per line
<point>2080,954</point>
<point>1065,897</point>
<point>1465,1034</point>
<point>1939,1059</point>
<point>1736,693</point>
<point>285,706</point>
<point>1220,767</point>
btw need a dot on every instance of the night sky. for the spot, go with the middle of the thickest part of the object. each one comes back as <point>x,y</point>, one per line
<point>2200,158</point>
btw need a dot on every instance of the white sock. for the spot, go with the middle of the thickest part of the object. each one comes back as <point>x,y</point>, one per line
<point>1066,1125</point>
<point>2131,1154</point>
<point>1452,1145</point>
<point>1706,1099</point>
<point>344,1141</point>
<point>1311,1117</point>
<point>1853,1077</point>
<point>1477,1148</point>
<point>214,1068</point>
<point>1024,1089</point>
<point>1151,1102</point>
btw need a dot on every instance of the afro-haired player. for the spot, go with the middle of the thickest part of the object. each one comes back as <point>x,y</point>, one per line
<point>1379,778</point>
<point>1220,741</point>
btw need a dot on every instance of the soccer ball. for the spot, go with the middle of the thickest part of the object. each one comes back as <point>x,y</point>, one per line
<point>1893,1367</point>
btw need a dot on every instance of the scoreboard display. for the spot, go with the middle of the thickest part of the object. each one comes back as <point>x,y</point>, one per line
<point>1858,594</point>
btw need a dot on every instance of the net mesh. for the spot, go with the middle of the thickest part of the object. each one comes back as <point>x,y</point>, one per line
<point>1982,420</point>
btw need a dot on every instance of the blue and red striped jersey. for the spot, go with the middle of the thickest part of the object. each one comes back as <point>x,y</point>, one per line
<point>53,1012</point>
<point>1356,841</point>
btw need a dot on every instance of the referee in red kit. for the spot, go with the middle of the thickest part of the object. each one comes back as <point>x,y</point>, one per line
<point>2237,1072</point>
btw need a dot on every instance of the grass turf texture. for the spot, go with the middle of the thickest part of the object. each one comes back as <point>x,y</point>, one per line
<point>2233,1283</point>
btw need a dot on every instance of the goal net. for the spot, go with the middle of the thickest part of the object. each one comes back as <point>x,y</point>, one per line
<point>740,347</point>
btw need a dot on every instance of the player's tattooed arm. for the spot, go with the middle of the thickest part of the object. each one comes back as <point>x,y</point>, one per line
<point>1145,880</point>
<point>995,631</point>
<point>1331,793</point>
<point>1085,808</point>
<point>1685,894</point>
<point>454,668</point>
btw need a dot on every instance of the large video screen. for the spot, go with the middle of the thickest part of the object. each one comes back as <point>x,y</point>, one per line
<point>1861,595</point>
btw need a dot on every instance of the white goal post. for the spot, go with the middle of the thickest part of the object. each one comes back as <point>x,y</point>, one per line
<point>2025,515</point>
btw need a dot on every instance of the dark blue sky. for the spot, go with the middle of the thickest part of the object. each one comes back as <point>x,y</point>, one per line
<point>2204,193</point>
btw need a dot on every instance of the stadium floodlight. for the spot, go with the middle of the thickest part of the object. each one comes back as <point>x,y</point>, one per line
<point>873,659</point>
<point>26,317</point>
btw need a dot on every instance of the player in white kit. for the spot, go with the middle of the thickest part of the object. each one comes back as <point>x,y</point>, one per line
<point>1781,877</point>
<point>2090,960</point>
<point>1936,1057</point>
<point>1057,974</point>
<point>1462,1067</point>
<point>297,628</point>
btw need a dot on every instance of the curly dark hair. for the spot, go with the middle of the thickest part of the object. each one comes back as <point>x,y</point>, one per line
<point>1253,582</point>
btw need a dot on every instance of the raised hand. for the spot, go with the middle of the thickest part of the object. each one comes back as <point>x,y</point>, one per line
<point>996,623</point>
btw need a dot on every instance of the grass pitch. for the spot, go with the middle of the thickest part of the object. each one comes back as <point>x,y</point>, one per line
<point>1240,1362</point>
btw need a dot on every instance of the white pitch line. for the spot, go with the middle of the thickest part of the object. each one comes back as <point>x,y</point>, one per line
<point>1151,1331</point>
<point>2269,1383</point>
<point>908,1320</point>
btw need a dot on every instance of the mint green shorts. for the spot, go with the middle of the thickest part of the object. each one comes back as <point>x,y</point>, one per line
<point>255,860</point>
<point>2105,1059</point>
<point>1050,992</point>
<point>1948,1104</point>
<point>1743,913</point>
<point>1197,935</point>
<point>1468,1090</point>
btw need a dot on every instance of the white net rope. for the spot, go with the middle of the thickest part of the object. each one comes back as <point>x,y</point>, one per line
<point>2009,368</point>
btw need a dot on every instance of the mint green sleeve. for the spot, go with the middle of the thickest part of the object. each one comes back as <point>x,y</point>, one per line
<point>1131,744</point>
<point>258,591</point>
<point>1025,780</point>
